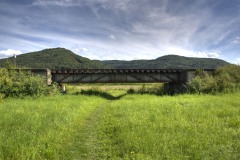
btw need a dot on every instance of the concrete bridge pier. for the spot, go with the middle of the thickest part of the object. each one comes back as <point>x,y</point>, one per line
<point>179,86</point>
<point>63,88</point>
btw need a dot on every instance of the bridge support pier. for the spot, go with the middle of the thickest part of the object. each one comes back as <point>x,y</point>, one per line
<point>63,88</point>
<point>175,88</point>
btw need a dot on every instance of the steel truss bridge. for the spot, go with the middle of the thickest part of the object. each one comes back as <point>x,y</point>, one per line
<point>118,75</point>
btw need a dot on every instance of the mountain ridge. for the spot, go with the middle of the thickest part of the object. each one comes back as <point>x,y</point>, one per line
<point>169,61</point>
<point>61,58</point>
<point>54,58</point>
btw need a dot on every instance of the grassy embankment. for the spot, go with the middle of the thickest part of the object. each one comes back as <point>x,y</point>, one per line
<point>132,127</point>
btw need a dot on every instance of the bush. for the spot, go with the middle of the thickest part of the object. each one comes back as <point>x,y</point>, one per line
<point>21,83</point>
<point>224,79</point>
<point>54,89</point>
<point>157,89</point>
<point>228,78</point>
<point>131,91</point>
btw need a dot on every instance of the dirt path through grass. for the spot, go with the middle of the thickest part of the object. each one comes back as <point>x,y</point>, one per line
<point>88,138</point>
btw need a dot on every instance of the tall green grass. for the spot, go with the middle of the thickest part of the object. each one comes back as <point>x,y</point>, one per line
<point>44,128</point>
<point>132,127</point>
<point>181,127</point>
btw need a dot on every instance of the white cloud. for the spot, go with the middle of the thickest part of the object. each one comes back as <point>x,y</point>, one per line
<point>91,56</point>
<point>125,36</point>
<point>9,53</point>
<point>189,53</point>
<point>77,49</point>
<point>238,61</point>
<point>112,37</point>
<point>55,2</point>
<point>207,54</point>
<point>66,3</point>
<point>84,49</point>
<point>236,40</point>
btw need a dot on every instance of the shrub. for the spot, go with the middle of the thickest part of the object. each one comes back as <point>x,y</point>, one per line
<point>22,83</point>
<point>131,91</point>
<point>54,89</point>
<point>224,79</point>
<point>228,78</point>
<point>157,89</point>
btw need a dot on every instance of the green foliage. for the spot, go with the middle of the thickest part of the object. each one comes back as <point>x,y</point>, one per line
<point>96,92</point>
<point>9,65</point>
<point>157,89</point>
<point>131,91</point>
<point>21,83</point>
<point>54,89</point>
<point>228,78</point>
<point>225,79</point>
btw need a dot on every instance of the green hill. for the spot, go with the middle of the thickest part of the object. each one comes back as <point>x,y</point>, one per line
<point>60,58</point>
<point>169,61</point>
<point>56,58</point>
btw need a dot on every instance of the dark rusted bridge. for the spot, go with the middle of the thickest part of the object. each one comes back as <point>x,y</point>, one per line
<point>122,75</point>
<point>118,75</point>
<point>173,78</point>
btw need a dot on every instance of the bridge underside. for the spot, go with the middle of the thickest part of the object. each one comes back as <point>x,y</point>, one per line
<point>174,79</point>
<point>115,78</point>
<point>121,76</point>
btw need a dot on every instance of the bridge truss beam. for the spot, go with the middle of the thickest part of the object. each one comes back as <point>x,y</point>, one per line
<point>122,76</point>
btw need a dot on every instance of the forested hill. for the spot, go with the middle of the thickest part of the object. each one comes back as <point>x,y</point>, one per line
<point>60,58</point>
<point>56,58</point>
<point>169,61</point>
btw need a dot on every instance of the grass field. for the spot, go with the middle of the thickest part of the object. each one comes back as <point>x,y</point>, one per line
<point>131,127</point>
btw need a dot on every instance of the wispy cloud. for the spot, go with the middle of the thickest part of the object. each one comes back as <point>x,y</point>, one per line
<point>64,3</point>
<point>123,29</point>
<point>190,53</point>
<point>236,40</point>
<point>112,37</point>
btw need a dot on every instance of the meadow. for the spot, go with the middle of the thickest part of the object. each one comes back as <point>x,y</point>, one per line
<point>130,126</point>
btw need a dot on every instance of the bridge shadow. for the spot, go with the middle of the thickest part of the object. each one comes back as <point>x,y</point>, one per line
<point>100,94</point>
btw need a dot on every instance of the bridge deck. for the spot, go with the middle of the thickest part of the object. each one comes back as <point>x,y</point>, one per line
<point>123,75</point>
<point>77,71</point>
<point>117,75</point>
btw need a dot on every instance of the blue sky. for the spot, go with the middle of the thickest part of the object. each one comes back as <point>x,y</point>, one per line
<point>122,29</point>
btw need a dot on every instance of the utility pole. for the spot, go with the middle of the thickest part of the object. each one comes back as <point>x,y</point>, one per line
<point>15,61</point>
